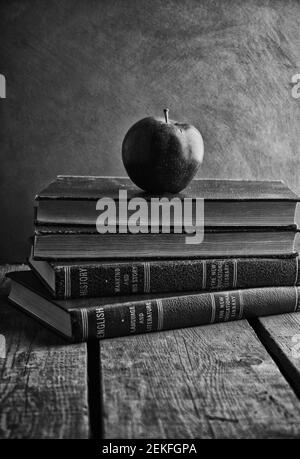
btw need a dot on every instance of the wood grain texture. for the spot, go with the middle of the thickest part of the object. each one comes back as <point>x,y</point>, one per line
<point>281,336</point>
<point>215,381</point>
<point>43,380</point>
<point>79,74</point>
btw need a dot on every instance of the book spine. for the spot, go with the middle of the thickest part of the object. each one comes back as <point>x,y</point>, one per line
<point>178,312</point>
<point>173,276</point>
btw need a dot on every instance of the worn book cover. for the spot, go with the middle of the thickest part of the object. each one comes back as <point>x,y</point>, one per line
<point>107,317</point>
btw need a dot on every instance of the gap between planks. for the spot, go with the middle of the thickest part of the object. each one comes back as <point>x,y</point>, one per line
<point>275,333</point>
<point>281,337</point>
<point>43,379</point>
<point>215,381</point>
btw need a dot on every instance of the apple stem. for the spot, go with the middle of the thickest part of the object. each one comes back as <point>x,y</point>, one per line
<point>166,112</point>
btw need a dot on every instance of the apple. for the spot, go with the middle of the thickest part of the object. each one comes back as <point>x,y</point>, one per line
<point>161,155</point>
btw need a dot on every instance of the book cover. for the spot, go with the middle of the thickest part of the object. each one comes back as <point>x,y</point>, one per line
<point>221,244</point>
<point>93,187</point>
<point>87,279</point>
<point>72,200</point>
<point>99,318</point>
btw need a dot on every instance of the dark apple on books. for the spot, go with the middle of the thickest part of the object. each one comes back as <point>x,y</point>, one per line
<point>161,155</point>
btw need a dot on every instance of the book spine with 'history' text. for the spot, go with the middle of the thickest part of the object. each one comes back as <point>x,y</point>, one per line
<point>108,279</point>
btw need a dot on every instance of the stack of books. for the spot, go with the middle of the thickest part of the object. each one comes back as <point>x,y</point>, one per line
<point>109,260</point>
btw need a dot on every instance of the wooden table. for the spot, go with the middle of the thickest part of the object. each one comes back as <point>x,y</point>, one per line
<point>233,380</point>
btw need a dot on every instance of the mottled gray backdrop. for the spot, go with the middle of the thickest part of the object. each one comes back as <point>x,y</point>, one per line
<point>79,73</point>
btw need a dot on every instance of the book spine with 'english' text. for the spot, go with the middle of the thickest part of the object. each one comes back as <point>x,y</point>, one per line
<point>121,319</point>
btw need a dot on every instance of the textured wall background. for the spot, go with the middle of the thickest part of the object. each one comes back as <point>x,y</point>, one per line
<point>79,73</point>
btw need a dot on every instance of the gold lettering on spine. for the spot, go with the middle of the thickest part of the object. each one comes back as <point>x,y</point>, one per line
<point>117,280</point>
<point>132,319</point>
<point>149,319</point>
<point>100,322</point>
<point>83,281</point>
<point>135,279</point>
<point>230,306</point>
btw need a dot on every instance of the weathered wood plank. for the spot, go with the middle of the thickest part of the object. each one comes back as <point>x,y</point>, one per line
<point>215,381</point>
<point>281,336</point>
<point>43,380</point>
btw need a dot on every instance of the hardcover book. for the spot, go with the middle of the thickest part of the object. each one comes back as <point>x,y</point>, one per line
<point>108,278</point>
<point>216,243</point>
<point>71,200</point>
<point>107,317</point>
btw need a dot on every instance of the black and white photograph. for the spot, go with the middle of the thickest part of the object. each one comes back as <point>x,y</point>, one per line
<point>149,246</point>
